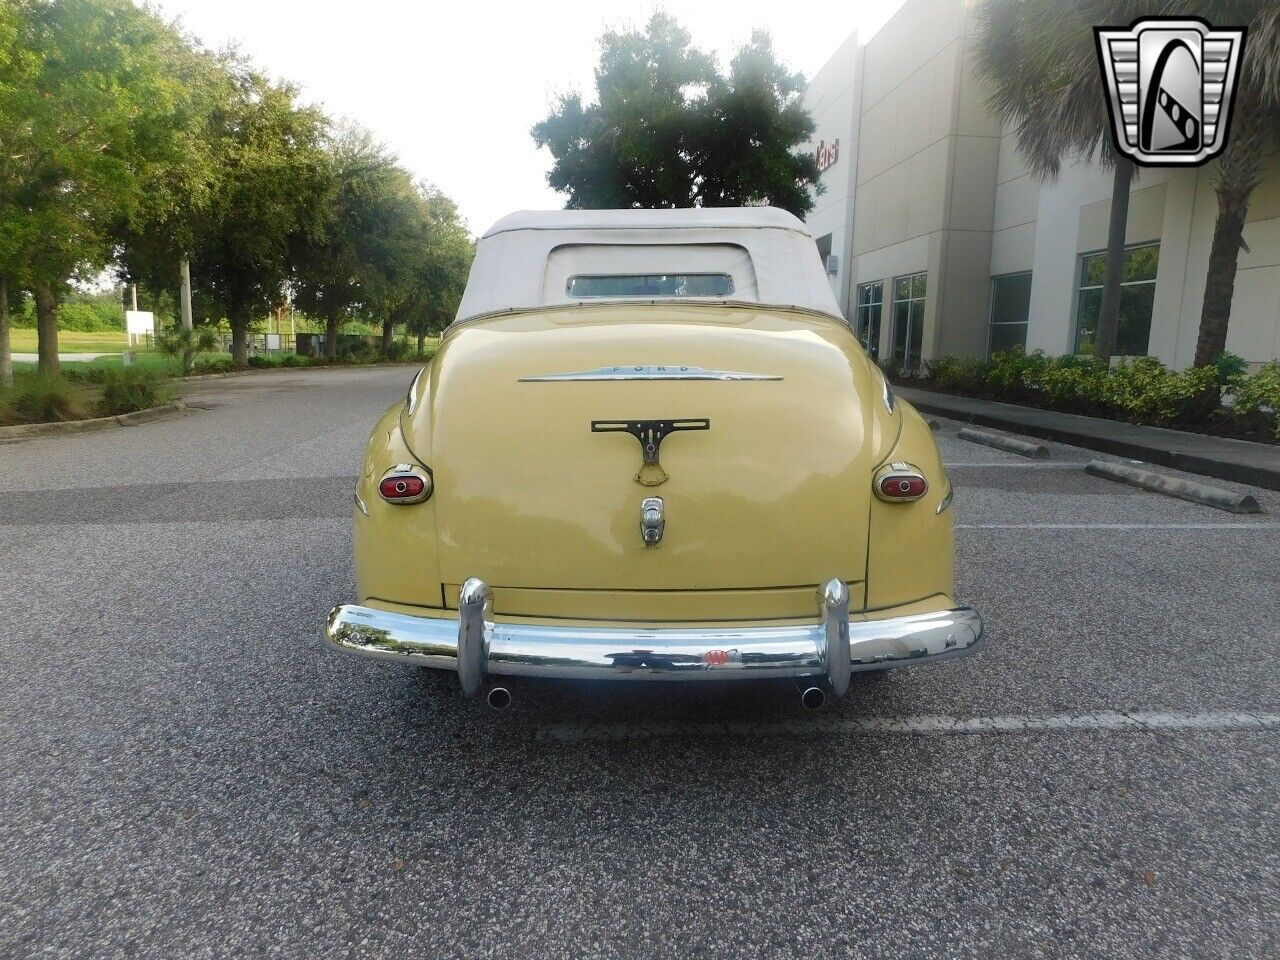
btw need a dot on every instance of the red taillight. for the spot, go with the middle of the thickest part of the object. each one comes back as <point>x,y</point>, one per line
<point>903,488</point>
<point>901,483</point>
<point>404,488</point>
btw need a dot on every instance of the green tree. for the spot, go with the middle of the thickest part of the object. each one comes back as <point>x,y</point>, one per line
<point>434,283</point>
<point>265,193</point>
<point>86,114</point>
<point>153,249</point>
<point>667,129</point>
<point>384,250</point>
<point>756,118</point>
<point>339,260</point>
<point>17,66</point>
<point>393,250</point>
<point>1253,134</point>
<point>1039,56</point>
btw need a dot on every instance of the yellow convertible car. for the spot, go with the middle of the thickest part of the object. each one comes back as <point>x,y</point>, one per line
<point>650,448</point>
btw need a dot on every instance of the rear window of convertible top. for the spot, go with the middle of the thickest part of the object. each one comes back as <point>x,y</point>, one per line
<point>629,285</point>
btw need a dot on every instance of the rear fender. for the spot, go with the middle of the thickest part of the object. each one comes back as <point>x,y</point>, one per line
<point>911,547</point>
<point>397,556</point>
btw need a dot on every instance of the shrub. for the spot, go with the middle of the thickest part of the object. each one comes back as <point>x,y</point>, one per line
<point>129,389</point>
<point>185,345</point>
<point>294,360</point>
<point>90,317</point>
<point>1075,386</point>
<point>80,312</point>
<point>1259,395</point>
<point>264,361</point>
<point>214,363</point>
<point>42,399</point>
<point>1008,373</point>
<point>1142,390</point>
<point>360,353</point>
<point>1146,391</point>
<point>952,372</point>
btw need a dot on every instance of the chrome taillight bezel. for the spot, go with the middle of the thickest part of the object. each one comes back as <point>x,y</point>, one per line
<point>916,484</point>
<point>406,472</point>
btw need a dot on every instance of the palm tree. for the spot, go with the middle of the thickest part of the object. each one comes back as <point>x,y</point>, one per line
<point>1039,57</point>
<point>1255,119</point>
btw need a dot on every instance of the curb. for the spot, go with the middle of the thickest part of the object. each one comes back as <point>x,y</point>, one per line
<point>1175,487</point>
<point>317,366</point>
<point>1036,451</point>
<point>30,431</point>
<point>1239,461</point>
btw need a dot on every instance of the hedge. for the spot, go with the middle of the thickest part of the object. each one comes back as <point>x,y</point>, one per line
<point>1143,390</point>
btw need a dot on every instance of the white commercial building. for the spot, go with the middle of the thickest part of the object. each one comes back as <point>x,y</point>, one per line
<point>938,240</point>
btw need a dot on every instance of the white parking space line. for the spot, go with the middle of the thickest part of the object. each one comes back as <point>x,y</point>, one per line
<point>1117,526</point>
<point>1105,721</point>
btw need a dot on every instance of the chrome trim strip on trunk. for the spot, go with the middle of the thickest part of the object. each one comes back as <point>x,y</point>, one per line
<point>470,642</point>
<point>647,372</point>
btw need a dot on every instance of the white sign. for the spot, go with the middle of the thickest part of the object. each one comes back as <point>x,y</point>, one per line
<point>139,321</point>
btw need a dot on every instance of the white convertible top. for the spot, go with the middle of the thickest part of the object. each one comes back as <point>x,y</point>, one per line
<point>530,259</point>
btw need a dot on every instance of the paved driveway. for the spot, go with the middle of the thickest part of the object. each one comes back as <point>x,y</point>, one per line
<point>186,772</point>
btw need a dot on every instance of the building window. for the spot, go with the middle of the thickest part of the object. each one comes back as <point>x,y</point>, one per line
<point>908,320</point>
<point>1010,305</point>
<point>867,316</point>
<point>1137,293</point>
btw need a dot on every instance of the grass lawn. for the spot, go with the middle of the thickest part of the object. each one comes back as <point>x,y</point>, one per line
<point>150,360</point>
<point>24,341</point>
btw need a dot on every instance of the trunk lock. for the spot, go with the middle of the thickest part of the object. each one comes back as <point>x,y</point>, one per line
<point>652,521</point>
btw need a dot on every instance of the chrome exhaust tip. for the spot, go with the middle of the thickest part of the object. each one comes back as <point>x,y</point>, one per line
<point>813,698</point>
<point>499,698</point>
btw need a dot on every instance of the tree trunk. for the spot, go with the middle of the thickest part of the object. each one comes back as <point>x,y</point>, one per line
<point>1220,282</point>
<point>47,327</point>
<point>386,339</point>
<point>1104,338</point>
<point>6,356</point>
<point>1238,173</point>
<point>240,340</point>
<point>331,338</point>
<point>184,292</point>
<point>422,341</point>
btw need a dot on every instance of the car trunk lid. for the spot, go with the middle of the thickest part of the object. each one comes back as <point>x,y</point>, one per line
<point>540,473</point>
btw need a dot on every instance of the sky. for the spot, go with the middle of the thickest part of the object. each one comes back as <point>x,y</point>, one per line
<point>453,88</point>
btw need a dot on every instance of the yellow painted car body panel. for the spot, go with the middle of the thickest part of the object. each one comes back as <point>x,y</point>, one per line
<point>912,549</point>
<point>396,547</point>
<point>677,606</point>
<point>773,499</point>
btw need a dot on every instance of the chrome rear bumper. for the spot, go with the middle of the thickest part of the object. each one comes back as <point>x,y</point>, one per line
<point>476,646</point>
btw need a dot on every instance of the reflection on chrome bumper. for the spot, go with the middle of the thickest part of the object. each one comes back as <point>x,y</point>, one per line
<point>471,643</point>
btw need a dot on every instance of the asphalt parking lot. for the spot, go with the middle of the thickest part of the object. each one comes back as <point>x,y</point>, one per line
<point>185,770</point>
